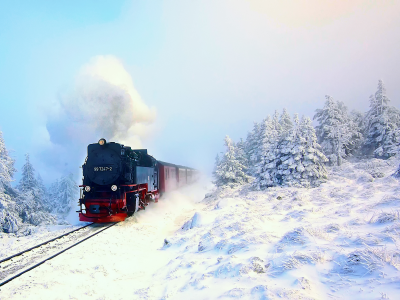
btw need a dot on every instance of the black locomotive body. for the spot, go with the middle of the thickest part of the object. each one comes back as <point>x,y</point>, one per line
<point>119,180</point>
<point>116,164</point>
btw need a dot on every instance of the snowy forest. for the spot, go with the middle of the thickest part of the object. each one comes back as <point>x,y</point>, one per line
<point>29,203</point>
<point>289,151</point>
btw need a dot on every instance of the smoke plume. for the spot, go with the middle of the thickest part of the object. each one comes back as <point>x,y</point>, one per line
<point>103,103</point>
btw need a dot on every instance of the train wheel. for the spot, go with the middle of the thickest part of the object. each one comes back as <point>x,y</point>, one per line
<point>132,204</point>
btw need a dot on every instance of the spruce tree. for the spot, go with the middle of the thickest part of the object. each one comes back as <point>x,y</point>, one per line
<point>32,195</point>
<point>382,126</point>
<point>216,164</point>
<point>276,123</point>
<point>28,181</point>
<point>230,171</point>
<point>285,121</point>
<point>67,194</point>
<point>252,147</point>
<point>10,221</point>
<point>358,122</point>
<point>270,138</point>
<point>7,169</point>
<point>309,159</point>
<point>336,132</point>
<point>53,195</point>
<point>240,154</point>
<point>41,193</point>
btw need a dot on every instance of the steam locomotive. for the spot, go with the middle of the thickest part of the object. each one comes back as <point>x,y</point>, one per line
<point>118,181</point>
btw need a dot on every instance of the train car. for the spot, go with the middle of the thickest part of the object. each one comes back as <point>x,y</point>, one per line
<point>118,181</point>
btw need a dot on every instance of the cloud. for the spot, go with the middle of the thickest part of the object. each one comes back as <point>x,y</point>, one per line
<point>102,103</point>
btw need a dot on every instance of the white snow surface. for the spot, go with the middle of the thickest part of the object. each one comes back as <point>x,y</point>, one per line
<point>337,241</point>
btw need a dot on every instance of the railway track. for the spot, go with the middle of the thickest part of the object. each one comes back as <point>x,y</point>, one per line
<point>20,263</point>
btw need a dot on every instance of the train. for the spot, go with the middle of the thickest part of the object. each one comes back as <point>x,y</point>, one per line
<point>118,181</point>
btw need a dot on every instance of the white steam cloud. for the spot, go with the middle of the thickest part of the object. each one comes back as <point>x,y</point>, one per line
<point>102,103</point>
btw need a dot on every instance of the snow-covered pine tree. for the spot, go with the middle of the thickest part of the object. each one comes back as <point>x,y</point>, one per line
<point>53,195</point>
<point>269,138</point>
<point>10,220</point>
<point>216,164</point>
<point>276,123</point>
<point>240,154</point>
<point>7,169</point>
<point>336,132</point>
<point>285,121</point>
<point>308,168</point>
<point>230,171</point>
<point>28,181</point>
<point>358,122</point>
<point>382,126</point>
<point>282,170</point>
<point>41,193</point>
<point>40,184</point>
<point>67,194</point>
<point>252,147</point>
<point>28,184</point>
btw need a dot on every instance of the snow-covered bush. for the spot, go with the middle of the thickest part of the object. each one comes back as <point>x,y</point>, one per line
<point>397,173</point>
<point>32,212</point>
<point>359,262</point>
<point>386,217</point>
<point>10,220</point>
<point>382,126</point>
<point>297,236</point>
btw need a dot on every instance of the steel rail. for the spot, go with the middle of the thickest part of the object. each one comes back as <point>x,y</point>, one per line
<point>54,255</point>
<point>44,243</point>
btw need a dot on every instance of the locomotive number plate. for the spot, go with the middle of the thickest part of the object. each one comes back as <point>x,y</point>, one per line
<point>102,169</point>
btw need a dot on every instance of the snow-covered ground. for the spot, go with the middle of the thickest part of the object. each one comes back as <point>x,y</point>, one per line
<point>113,264</point>
<point>11,243</point>
<point>337,241</point>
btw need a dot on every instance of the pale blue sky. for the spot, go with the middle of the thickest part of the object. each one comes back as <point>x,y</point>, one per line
<point>210,68</point>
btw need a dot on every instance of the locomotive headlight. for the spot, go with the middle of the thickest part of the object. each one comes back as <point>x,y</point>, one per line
<point>113,187</point>
<point>102,142</point>
<point>87,188</point>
